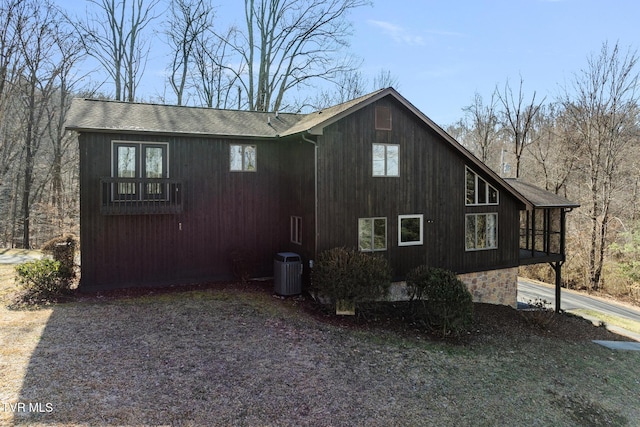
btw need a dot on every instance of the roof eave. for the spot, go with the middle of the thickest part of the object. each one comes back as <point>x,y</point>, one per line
<point>80,129</point>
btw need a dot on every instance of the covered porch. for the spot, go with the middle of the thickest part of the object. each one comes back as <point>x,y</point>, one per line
<point>543,229</point>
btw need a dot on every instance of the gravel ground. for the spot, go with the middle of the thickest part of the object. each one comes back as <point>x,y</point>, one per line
<point>241,357</point>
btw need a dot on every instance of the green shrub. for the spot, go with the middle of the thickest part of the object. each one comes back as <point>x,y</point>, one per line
<point>41,280</point>
<point>440,299</point>
<point>347,274</point>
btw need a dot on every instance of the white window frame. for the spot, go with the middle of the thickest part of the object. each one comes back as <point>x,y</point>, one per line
<point>372,247</point>
<point>296,229</point>
<point>413,242</point>
<point>244,166</point>
<point>386,160</point>
<point>492,242</point>
<point>477,181</point>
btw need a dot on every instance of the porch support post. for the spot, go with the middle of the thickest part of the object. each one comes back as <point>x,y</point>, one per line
<point>557,267</point>
<point>533,233</point>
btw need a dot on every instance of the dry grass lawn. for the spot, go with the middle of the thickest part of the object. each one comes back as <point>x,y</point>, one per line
<point>239,356</point>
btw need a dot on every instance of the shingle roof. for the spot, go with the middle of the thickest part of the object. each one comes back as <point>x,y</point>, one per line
<point>101,115</point>
<point>313,121</point>
<point>97,115</point>
<point>538,197</point>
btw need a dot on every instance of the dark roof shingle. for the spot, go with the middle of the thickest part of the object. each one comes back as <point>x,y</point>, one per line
<point>538,197</point>
<point>96,115</point>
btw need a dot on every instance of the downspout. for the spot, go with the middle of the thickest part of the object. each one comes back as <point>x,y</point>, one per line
<point>315,195</point>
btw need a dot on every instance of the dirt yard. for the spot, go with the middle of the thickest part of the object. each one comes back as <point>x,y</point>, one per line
<point>237,355</point>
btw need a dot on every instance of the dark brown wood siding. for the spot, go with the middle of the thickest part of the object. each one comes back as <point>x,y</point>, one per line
<point>222,211</point>
<point>431,183</point>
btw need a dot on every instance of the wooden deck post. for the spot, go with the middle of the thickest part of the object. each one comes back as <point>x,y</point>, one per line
<point>557,267</point>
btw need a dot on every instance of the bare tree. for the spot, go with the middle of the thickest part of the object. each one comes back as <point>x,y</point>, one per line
<point>602,107</point>
<point>385,79</point>
<point>555,151</point>
<point>70,52</point>
<point>37,43</point>
<point>481,126</point>
<point>518,118</point>
<point>12,20</point>
<point>215,77</point>
<point>350,85</point>
<point>289,43</point>
<point>189,20</point>
<point>114,36</point>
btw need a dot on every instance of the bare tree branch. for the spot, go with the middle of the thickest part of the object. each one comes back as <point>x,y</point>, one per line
<point>114,36</point>
<point>602,108</point>
<point>518,119</point>
<point>290,43</point>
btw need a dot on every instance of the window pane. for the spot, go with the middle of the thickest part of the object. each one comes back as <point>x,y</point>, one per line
<point>471,187</point>
<point>235,157</point>
<point>153,166</point>
<point>482,191</point>
<point>365,234</point>
<point>481,231</point>
<point>126,162</point>
<point>492,231</point>
<point>470,232</point>
<point>393,155</point>
<point>410,230</point>
<point>493,195</point>
<point>126,169</point>
<point>380,233</point>
<point>378,160</point>
<point>249,158</point>
<point>153,162</point>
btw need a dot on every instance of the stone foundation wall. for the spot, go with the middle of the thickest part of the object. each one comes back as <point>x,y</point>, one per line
<point>494,286</point>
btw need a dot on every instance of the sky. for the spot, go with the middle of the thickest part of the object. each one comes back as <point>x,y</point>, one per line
<point>444,51</point>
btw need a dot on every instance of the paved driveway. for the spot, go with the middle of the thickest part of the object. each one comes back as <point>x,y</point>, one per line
<point>17,256</point>
<point>570,300</point>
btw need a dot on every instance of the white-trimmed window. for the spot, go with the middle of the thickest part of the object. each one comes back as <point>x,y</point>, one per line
<point>372,234</point>
<point>481,231</point>
<point>296,230</point>
<point>410,230</point>
<point>242,158</point>
<point>386,159</point>
<point>478,191</point>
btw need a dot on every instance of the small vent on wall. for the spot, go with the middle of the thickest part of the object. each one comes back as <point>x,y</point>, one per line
<point>383,118</point>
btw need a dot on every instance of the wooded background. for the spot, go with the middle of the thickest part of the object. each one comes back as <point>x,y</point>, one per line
<point>583,144</point>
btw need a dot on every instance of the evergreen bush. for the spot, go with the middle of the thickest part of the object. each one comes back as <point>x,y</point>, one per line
<point>350,275</point>
<point>40,281</point>
<point>441,299</point>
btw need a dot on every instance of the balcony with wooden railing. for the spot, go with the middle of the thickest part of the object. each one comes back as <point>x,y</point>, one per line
<point>141,196</point>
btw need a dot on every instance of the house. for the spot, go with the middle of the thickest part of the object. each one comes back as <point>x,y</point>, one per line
<point>171,195</point>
